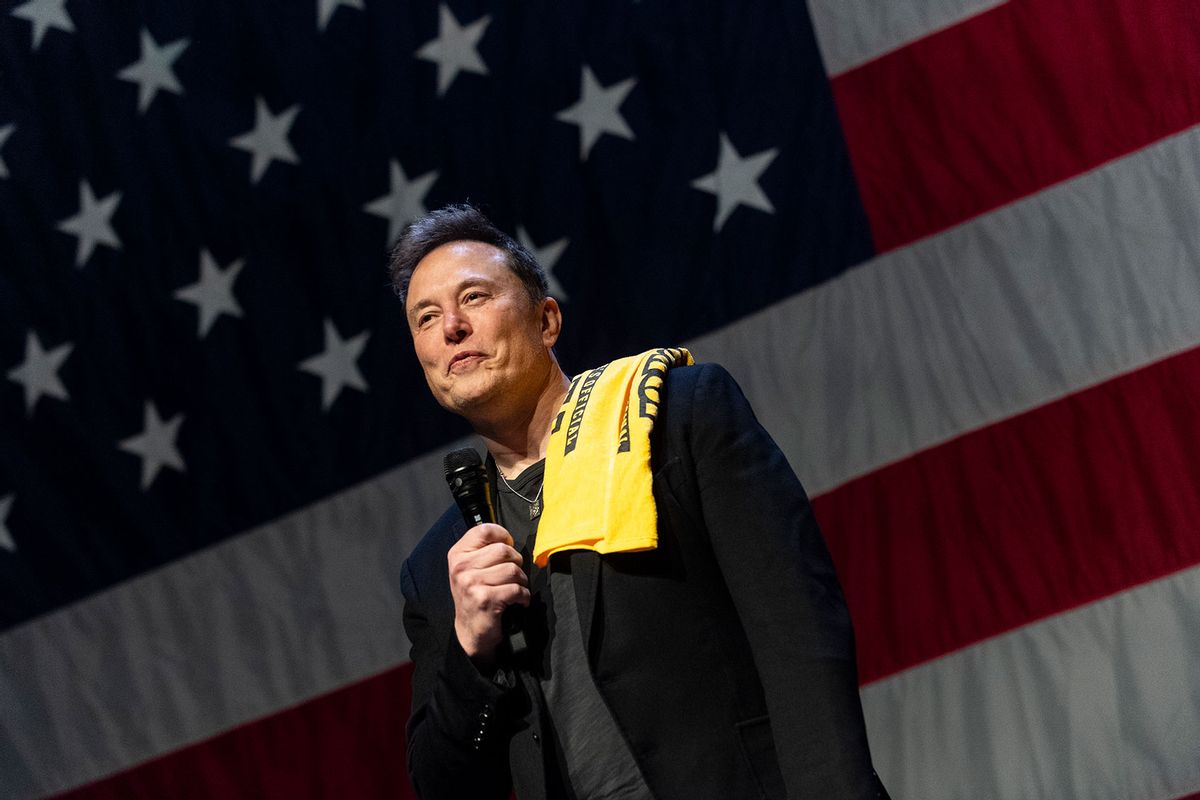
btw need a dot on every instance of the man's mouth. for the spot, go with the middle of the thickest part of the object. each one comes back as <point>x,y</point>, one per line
<point>463,358</point>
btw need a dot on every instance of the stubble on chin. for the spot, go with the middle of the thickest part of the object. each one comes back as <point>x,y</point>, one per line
<point>467,398</point>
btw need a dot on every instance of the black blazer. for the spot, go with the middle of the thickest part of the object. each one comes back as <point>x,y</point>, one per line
<point>725,655</point>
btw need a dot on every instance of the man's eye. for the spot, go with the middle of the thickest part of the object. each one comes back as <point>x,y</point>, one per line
<point>424,318</point>
<point>472,296</point>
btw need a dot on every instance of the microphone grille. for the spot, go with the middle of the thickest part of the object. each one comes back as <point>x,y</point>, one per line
<point>456,460</point>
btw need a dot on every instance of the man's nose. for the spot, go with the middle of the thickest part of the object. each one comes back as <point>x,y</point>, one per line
<point>455,326</point>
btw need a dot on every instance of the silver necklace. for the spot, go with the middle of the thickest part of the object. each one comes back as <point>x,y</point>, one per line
<point>535,505</point>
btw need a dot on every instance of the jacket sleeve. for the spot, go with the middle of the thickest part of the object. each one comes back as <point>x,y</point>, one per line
<point>457,744</point>
<point>783,585</point>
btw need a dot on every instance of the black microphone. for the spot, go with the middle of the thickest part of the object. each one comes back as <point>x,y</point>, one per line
<point>469,485</point>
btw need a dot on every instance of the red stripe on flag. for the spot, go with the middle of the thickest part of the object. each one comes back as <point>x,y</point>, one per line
<point>1060,506</point>
<point>348,743</point>
<point>1011,101</point>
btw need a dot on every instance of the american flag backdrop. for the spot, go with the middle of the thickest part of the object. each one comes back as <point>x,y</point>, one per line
<point>950,249</point>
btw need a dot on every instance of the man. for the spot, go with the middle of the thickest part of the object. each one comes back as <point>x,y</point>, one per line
<point>719,664</point>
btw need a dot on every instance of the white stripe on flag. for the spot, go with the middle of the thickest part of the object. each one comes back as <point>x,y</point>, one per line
<point>1065,289</point>
<point>258,623</point>
<point>852,32</point>
<point>1101,703</point>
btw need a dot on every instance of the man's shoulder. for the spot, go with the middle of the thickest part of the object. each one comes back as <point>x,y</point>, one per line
<point>700,373</point>
<point>699,397</point>
<point>698,383</point>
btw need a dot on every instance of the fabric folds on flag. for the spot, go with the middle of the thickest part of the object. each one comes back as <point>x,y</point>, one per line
<point>948,250</point>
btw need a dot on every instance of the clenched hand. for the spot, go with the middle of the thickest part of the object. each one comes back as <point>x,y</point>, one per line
<point>485,578</point>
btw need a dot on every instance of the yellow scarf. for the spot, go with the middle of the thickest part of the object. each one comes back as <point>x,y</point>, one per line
<point>598,486</point>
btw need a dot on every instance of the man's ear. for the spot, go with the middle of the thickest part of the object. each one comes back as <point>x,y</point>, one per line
<point>551,321</point>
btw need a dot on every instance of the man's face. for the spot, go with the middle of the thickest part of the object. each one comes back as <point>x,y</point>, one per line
<point>481,340</point>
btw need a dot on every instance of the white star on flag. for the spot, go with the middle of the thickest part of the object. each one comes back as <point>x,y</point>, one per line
<point>93,224</point>
<point>454,49</point>
<point>335,366</point>
<point>267,140</point>
<point>405,200</point>
<point>155,445</point>
<point>38,373</point>
<point>548,257</point>
<point>598,111</point>
<point>153,70</point>
<point>6,540</point>
<point>325,9</point>
<point>212,295</point>
<point>735,181</point>
<point>45,14</point>
<point>5,132</point>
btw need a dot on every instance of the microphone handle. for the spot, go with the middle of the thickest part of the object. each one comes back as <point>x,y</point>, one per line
<point>512,621</point>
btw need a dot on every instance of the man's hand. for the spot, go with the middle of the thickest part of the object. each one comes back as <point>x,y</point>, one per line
<point>485,578</point>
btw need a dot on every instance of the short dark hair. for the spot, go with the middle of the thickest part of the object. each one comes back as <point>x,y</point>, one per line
<point>458,223</point>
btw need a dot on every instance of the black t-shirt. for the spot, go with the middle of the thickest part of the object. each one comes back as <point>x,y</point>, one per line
<point>598,762</point>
